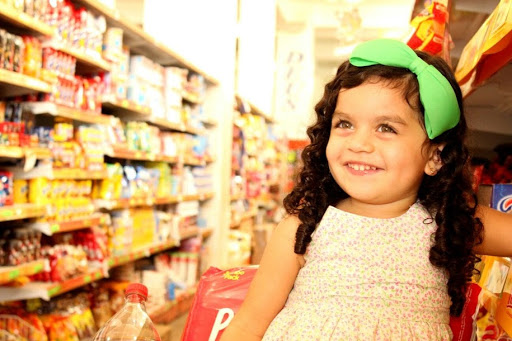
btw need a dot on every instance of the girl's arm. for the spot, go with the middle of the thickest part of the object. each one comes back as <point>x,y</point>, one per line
<point>497,232</point>
<point>270,287</point>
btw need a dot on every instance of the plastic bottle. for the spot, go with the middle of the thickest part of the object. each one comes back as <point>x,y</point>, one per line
<point>131,323</point>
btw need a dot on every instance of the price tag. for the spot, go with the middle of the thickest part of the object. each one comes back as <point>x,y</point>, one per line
<point>6,213</point>
<point>38,268</point>
<point>54,290</point>
<point>54,228</point>
<point>14,274</point>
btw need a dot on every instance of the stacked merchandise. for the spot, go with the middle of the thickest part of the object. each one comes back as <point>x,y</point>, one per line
<point>255,184</point>
<point>108,155</point>
<point>493,181</point>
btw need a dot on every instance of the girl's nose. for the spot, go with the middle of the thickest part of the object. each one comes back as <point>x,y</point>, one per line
<point>361,141</point>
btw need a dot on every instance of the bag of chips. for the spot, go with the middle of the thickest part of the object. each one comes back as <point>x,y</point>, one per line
<point>219,296</point>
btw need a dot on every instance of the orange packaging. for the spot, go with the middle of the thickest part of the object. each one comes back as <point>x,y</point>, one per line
<point>429,28</point>
<point>504,309</point>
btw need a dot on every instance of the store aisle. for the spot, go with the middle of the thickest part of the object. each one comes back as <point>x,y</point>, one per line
<point>173,330</point>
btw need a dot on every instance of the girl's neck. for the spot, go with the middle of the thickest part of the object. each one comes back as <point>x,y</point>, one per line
<point>383,211</point>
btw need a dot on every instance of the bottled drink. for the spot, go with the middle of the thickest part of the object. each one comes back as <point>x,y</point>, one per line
<point>131,323</point>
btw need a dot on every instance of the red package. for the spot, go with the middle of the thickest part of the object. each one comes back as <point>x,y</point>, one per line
<point>463,325</point>
<point>219,296</point>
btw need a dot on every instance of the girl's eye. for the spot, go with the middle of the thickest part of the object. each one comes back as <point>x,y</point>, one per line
<point>344,124</point>
<point>385,128</point>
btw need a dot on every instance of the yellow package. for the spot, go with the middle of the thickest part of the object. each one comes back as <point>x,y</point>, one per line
<point>39,191</point>
<point>20,191</point>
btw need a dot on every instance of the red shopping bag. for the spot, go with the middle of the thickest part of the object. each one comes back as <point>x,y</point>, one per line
<point>219,296</point>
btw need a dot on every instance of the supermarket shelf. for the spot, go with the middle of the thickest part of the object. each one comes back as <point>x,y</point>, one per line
<point>194,161</point>
<point>140,42</point>
<point>78,174</point>
<point>257,111</point>
<point>127,154</point>
<point>144,201</point>
<point>189,232</point>
<point>191,98</point>
<point>45,170</point>
<point>21,211</point>
<point>123,203</point>
<point>85,63</point>
<point>132,155</point>
<point>14,152</point>
<point>246,215</point>
<point>240,196</point>
<point>206,232</point>
<point>173,126</point>
<point>24,23</point>
<point>67,226</point>
<point>180,198</point>
<point>45,290</point>
<point>48,290</point>
<point>209,122</point>
<point>125,106</point>
<point>161,314</point>
<point>38,108</point>
<point>15,84</point>
<point>10,273</point>
<point>143,253</point>
<point>146,252</point>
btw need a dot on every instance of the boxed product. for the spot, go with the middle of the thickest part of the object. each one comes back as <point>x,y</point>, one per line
<point>502,197</point>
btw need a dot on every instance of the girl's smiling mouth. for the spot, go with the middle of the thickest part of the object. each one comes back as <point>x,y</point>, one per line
<point>361,168</point>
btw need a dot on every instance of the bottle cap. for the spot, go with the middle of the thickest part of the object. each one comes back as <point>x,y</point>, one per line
<point>137,288</point>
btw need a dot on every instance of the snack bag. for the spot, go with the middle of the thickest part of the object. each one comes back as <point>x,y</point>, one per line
<point>429,28</point>
<point>219,296</point>
<point>464,326</point>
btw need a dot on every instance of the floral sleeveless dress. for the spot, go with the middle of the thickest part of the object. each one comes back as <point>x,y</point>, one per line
<point>367,279</point>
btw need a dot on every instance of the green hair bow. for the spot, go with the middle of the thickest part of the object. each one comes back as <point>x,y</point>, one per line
<point>442,110</point>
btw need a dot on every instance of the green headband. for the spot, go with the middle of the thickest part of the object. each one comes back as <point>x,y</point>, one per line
<point>442,110</point>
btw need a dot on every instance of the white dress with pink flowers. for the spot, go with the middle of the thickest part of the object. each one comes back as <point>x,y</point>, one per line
<point>367,279</point>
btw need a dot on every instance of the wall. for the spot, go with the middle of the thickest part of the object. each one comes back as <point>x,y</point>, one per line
<point>256,52</point>
<point>201,31</point>
<point>295,80</point>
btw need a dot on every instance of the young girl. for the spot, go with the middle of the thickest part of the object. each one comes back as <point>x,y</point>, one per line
<point>384,228</point>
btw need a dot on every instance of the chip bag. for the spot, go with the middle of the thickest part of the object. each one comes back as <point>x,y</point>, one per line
<point>464,326</point>
<point>219,296</point>
<point>428,28</point>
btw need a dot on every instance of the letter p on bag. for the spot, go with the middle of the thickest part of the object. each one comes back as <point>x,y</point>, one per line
<point>221,323</point>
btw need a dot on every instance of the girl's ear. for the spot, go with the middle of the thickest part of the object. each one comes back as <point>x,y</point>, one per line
<point>434,162</point>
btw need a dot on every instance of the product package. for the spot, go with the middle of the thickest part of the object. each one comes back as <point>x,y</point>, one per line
<point>219,296</point>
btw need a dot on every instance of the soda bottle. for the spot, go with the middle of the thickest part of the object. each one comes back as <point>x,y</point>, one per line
<point>131,323</point>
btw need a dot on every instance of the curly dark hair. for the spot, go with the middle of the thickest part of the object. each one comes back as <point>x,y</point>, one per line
<point>448,195</point>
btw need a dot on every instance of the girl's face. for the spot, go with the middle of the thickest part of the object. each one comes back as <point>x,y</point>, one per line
<point>376,151</point>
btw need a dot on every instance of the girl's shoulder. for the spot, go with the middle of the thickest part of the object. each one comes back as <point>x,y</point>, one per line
<point>286,230</point>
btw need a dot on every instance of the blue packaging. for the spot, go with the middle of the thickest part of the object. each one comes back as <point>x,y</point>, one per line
<point>502,197</point>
